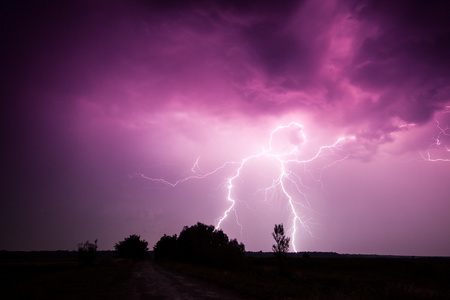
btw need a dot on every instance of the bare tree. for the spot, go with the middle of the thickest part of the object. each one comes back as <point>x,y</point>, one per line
<point>282,245</point>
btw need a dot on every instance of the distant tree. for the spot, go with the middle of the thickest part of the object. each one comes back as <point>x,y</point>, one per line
<point>166,247</point>
<point>132,247</point>
<point>282,245</point>
<point>86,253</point>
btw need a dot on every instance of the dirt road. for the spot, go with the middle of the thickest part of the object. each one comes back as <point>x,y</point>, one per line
<point>150,281</point>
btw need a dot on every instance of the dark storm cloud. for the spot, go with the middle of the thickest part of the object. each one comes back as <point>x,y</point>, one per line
<point>405,60</point>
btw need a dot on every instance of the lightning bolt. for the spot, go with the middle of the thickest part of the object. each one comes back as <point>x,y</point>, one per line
<point>288,182</point>
<point>440,142</point>
<point>196,166</point>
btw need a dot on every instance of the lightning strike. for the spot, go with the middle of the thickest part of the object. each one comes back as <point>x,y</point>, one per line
<point>288,182</point>
<point>195,166</point>
<point>439,144</point>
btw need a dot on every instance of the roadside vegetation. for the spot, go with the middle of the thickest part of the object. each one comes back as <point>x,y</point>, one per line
<point>201,244</point>
<point>132,247</point>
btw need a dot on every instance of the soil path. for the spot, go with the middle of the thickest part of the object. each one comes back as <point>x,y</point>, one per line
<point>151,281</point>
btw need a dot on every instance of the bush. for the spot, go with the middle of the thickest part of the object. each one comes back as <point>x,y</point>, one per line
<point>132,247</point>
<point>86,253</point>
<point>166,247</point>
<point>201,244</point>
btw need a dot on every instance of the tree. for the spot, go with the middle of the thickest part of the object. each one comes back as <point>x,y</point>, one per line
<point>282,245</point>
<point>195,243</point>
<point>86,253</point>
<point>132,247</point>
<point>166,247</point>
<point>201,244</point>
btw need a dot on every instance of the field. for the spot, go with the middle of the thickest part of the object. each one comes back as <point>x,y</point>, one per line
<point>255,278</point>
<point>332,278</point>
<point>61,279</point>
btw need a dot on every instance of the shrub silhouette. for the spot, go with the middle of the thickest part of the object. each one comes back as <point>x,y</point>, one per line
<point>132,247</point>
<point>86,253</point>
<point>201,244</point>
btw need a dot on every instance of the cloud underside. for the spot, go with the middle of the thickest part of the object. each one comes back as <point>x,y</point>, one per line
<point>370,68</point>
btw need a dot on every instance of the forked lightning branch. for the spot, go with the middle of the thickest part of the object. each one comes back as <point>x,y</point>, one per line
<point>283,148</point>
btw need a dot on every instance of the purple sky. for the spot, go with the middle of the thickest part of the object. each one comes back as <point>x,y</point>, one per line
<point>98,97</point>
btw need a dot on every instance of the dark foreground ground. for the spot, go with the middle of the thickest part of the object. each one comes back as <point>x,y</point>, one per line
<point>255,278</point>
<point>108,279</point>
<point>62,279</point>
<point>333,278</point>
<point>152,281</point>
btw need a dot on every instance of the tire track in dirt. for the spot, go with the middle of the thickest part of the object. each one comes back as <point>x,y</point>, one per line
<point>151,281</point>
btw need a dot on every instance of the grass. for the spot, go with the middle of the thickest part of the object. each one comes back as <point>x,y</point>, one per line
<point>61,279</point>
<point>331,278</point>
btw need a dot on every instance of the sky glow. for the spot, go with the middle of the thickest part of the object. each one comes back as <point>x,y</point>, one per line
<point>284,147</point>
<point>141,117</point>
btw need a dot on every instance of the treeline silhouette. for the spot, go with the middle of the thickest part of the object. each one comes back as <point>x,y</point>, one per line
<point>130,247</point>
<point>201,244</point>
